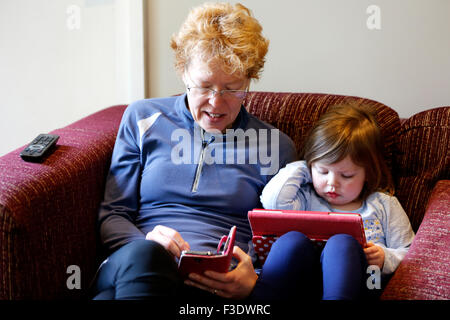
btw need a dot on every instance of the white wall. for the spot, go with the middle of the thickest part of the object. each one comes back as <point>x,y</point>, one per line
<point>61,60</point>
<point>326,46</point>
<point>52,73</point>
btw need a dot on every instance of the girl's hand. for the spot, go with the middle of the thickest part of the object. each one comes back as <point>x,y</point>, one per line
<point>374,255</point>
<point>169,239</point>
<point>236,284</point>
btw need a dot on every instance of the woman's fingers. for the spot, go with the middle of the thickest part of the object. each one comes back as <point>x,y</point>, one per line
<point>173,235</point>
<point>236,284</point>
<point>169,239</point>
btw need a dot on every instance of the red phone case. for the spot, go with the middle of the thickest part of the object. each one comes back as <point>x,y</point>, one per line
<point>267,225</point>
<point>219,261</point>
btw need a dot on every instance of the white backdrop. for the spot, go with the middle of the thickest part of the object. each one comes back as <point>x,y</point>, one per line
<point>327,46</point>
<point>61,60</point>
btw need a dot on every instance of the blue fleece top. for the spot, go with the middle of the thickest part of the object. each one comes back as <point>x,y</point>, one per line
<point>165,170</point>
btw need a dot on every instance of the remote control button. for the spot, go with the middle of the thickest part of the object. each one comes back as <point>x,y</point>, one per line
<point>36,147</point>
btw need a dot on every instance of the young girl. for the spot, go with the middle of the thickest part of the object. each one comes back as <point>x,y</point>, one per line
<point>344,171</point>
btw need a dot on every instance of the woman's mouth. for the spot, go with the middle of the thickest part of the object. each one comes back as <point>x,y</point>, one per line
<point>214,115</point>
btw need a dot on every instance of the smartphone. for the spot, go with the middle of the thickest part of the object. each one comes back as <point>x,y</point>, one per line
<point>200,261</point>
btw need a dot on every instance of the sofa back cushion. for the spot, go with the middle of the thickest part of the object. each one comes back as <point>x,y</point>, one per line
<point>295,114</point>
<point>423,158</point>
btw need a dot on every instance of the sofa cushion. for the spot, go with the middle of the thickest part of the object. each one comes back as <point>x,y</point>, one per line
<point>295,114</point>
<point>423,158</point>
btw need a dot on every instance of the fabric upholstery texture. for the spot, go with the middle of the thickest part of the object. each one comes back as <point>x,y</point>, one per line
<point>422,159</point>
<point>295,114</point>
<point>48,211</point>
<point>424,273</point>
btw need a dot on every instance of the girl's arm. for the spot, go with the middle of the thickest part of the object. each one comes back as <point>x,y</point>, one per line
<point>288,189</point>
<point>399,235</point>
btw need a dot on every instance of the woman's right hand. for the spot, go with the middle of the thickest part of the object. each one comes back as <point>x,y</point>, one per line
<point>235,284</point>
<point>169,239</point>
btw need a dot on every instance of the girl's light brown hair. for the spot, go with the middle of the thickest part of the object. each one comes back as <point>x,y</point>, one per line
<point>224,31</point>
<point>350,130</point>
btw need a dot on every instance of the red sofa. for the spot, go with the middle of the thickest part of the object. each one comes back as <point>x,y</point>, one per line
<point>48,211</point>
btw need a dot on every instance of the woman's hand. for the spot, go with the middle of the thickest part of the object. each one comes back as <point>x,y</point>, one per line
<point>374,255</point>
<point>236,284</point>
<point>169,239</point>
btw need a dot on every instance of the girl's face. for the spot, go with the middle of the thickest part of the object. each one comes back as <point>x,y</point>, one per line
<point>340,183</point>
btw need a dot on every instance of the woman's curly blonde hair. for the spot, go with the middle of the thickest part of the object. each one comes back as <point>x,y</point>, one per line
<point>224,31</point>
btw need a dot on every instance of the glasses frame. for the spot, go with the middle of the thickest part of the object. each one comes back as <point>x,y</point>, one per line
<point>210,93</point>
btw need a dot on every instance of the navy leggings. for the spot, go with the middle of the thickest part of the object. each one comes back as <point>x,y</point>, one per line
<point>294,269</point>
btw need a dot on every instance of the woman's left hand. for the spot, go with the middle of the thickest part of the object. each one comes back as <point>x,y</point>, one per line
<point>236,284</point>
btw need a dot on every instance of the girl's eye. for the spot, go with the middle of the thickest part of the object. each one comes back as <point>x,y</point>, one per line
<point>347,176</point>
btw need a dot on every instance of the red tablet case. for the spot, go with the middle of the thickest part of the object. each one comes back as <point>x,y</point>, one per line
<point>219,261</point>
<point>267,225</point>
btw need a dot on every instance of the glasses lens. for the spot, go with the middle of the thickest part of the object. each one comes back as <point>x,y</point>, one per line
<point>239,94</point>
<point>227,94</point>
<point>234,94</point>
<point>198,91</point>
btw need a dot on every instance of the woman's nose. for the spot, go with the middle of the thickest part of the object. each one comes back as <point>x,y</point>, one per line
<point>216,99</point>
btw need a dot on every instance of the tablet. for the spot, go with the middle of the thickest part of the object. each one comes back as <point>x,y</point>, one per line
<point>267,225</point>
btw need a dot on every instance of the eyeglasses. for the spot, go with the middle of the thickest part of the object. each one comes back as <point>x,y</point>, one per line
<point>209,93</point>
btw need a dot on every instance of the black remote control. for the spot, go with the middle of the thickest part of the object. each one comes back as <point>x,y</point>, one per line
<point>39,148</point>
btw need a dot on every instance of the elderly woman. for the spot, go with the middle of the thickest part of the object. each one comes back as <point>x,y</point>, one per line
<point>185,169</point>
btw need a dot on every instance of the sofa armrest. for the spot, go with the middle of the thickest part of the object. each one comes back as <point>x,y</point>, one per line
<point>48,210</point>
<point>424,272</point>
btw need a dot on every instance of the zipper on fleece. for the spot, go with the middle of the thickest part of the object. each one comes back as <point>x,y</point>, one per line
<point>200,161</point>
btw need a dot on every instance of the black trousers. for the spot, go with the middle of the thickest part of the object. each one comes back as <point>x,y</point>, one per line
<point>143,269</point>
